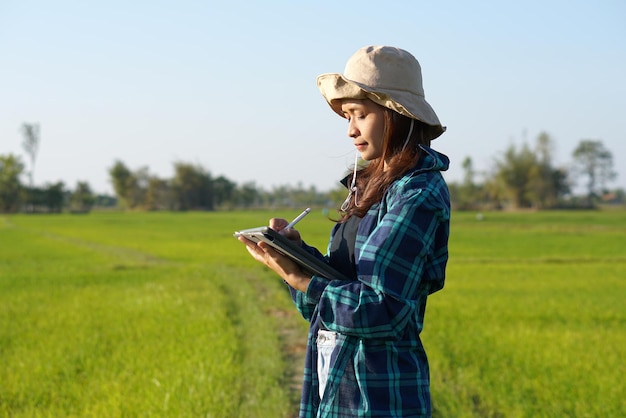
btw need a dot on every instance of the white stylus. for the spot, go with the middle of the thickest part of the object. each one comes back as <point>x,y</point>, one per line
<point>298,218</point>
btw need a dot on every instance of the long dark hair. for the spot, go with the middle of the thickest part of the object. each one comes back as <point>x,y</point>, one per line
<point>373,181</point>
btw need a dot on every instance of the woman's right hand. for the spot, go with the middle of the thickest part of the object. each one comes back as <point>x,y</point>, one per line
<point>279,224</point>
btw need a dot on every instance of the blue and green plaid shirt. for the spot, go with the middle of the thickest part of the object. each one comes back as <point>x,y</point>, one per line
<point>379,367</point>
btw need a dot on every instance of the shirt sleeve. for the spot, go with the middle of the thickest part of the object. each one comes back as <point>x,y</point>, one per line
<point>305,304</point>
<point>391,266</point>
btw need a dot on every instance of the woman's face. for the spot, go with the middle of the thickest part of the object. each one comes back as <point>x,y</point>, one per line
<point>366,126</point>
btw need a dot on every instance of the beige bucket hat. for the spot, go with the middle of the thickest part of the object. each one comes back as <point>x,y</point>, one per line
<point>389,76</point>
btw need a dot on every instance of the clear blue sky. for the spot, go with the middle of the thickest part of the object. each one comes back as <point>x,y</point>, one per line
<point>231,85</point>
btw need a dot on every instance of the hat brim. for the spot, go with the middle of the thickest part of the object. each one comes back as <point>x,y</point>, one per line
<point>335,87</point>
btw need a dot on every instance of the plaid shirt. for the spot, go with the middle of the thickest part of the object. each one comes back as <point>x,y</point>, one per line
<point>379,367</point>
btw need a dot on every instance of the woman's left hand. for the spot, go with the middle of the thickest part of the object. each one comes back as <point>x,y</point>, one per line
<point>281,264</point>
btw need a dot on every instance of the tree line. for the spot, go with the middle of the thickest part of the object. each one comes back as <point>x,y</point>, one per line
<point>51,198</point>
<point>521,177</point>
<point>525,177</point>
<point>191,188</point>
<point>194,188</point>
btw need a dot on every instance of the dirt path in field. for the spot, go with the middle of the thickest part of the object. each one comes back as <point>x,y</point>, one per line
<point>293,335</point>
<point>294,351</point>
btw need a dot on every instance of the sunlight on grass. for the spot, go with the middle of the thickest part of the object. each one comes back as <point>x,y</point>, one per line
<point>164,314</point>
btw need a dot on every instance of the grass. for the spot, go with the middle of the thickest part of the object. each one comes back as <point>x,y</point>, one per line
<point>532,320</point>
<point>135,315</point>
<point>164,314</point>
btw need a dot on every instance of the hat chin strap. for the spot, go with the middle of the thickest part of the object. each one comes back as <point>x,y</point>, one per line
<point>408,137</point>
<point>353,189</point>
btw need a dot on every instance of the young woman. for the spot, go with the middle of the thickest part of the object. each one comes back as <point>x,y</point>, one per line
<point>365,357</point>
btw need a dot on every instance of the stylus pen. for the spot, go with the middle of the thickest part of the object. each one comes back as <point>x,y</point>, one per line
<point>298,218</point>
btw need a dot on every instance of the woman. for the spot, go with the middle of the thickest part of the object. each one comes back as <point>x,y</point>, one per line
<point>365,356</point>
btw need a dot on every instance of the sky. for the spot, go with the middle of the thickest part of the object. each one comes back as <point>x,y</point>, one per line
<point>230,86</point>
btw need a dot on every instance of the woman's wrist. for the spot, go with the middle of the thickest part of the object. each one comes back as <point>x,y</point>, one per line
<point>299,281</point>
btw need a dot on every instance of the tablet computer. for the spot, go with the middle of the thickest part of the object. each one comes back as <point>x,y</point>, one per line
<point>308,262</point>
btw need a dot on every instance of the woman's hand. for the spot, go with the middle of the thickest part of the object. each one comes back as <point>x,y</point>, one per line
<point>281,264</point>
<point>279,224</point>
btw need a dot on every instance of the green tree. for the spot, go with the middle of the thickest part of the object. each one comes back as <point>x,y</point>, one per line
<point>512,175</point>
<point>594,161</point>
<point>11,169</point>
<point>54,196</point>
<point>30,144</point>
<point>248,194</point>
<point>130,187</point>
<point>525,177</point>
<point>121,179</point>
<point>223,191</point>
<point>193,187</point>
<point>546,183</point>
<point>82,199</point>
<point>467,194</point>
<point>138,188</point>
<point>159,195</point>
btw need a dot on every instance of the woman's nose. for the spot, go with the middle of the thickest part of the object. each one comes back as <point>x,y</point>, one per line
<point>353,132</point>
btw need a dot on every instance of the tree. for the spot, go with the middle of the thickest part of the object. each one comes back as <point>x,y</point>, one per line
<point>512,175</point>
<point>193,187</point>
<point>82,199</point>
<point>31,134</point>
<point>546,184</point>
<point>223,191</point>
<point>49,198</point>
<point>127,184</point>
<point>11,169</point>
<point>467,194</point>
<point>248,194</point>
<point>54,196</point>
<point>525,177</point>
<point>119,175</point>
<point>593,160</point>
<point>137,188</point>
<point>158,195</point>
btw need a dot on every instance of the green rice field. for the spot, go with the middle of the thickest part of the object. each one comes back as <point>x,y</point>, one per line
<point>166,315</point>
